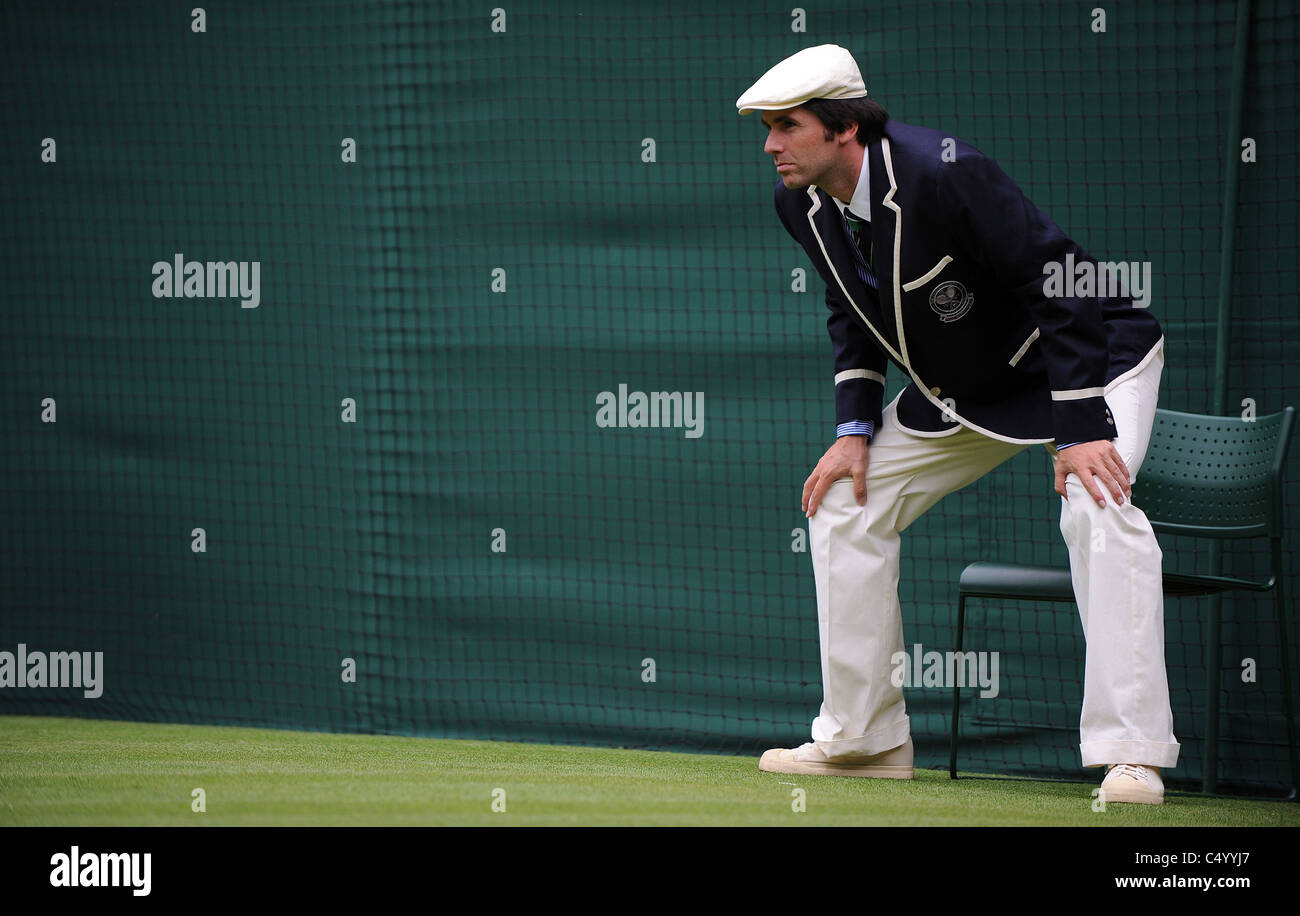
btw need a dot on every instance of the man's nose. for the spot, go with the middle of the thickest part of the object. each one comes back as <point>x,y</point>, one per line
<point>771,147</point>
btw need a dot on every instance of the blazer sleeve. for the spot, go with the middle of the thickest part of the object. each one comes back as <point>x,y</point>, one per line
<point>993,222</point>
<point>859,372</point>
<point>858,362</point>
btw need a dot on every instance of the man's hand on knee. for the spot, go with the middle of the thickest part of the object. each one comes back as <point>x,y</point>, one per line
<point>846,458</point>
<point>1093,461</point>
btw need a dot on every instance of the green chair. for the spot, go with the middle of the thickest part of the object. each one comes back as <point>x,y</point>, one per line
<point>1203,476</point>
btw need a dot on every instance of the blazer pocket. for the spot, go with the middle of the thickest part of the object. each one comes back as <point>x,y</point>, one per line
<point>928,275</point>
<point>1024,348</point>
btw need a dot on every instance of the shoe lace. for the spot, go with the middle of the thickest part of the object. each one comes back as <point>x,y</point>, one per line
<point>1133,770</point>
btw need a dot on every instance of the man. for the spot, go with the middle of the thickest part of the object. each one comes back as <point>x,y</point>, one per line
<point>935,261</point>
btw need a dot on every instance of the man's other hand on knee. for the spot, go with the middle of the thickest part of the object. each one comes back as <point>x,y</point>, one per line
<point>1092,462</point>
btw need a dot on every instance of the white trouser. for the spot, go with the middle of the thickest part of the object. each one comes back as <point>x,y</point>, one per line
<point>1114,562</point>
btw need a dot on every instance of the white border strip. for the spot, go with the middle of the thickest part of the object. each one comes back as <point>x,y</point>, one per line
<point>930,275</point>
<point>1024,347</point>
<point>1078,394</point>
<point>858,373</point>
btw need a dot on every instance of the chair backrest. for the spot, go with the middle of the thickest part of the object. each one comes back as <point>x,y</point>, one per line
<point>1215,476</point>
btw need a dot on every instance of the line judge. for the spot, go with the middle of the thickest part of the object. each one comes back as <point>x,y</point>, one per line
<point>934,261</point>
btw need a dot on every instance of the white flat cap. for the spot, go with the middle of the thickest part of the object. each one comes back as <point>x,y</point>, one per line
<point>823,72</point>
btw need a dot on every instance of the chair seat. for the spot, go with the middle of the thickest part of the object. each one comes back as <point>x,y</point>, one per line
<point>1049,583</point>
<point>1012,580</point>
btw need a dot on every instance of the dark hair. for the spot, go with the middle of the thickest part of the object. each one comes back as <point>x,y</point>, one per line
<point>838,114</point>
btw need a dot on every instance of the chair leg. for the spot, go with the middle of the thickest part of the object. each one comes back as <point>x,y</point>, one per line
<point>1213,677</point>
<point>956,691</point>
<point>1284,658</point>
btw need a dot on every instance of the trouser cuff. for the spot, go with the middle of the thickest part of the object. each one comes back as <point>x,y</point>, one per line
<point>876,742</point>
<point>1146,753</point>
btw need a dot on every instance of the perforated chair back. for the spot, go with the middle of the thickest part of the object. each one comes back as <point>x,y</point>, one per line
<point>1215,476</point>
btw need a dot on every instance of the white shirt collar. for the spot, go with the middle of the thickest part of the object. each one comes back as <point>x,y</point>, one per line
<point>861,202</point>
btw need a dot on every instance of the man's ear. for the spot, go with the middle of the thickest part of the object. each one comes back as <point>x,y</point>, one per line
<point>850,133</point>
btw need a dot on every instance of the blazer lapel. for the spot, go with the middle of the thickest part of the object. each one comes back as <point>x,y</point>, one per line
<point>887,229</point>
<point>874,309</point>
<point>882,231</point>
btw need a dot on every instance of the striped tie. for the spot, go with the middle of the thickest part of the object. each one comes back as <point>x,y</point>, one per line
<point>858,228</point>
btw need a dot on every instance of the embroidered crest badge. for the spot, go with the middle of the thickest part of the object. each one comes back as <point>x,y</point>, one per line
<point>951,301</point>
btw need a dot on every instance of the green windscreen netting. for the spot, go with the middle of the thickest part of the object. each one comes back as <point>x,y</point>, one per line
<point>378,495</point>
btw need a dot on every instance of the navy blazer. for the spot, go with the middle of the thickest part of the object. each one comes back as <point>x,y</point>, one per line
<point>959,252</point>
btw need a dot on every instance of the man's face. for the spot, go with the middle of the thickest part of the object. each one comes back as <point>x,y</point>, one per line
<point>796,141</point>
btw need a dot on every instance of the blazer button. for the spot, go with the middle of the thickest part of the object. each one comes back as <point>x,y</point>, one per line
<point>934,391</point>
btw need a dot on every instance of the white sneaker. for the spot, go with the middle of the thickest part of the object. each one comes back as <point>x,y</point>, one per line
<point>895,763</point>
<point>1134,783</point>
